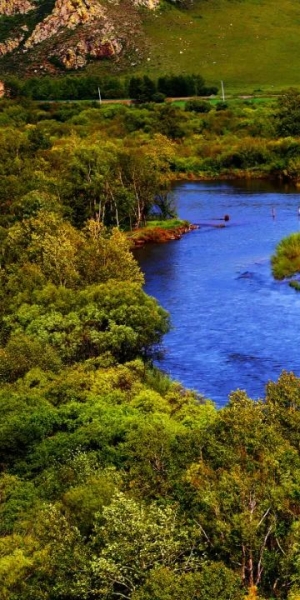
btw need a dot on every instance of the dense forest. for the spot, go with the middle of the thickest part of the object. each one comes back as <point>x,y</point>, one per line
<point>117,483</point>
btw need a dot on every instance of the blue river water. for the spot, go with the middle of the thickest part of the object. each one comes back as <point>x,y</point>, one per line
<point>233,326</point>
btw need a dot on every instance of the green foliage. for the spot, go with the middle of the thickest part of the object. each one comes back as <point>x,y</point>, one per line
<point>176,86</point>
<point>295,285</point>
<point>288,113</point>
<point>48,247</point>
<point>198,106</point>
<point>67,88</point>
<point>115,163</point>
<point>240,485</point>
<point>141,89</point>
<point>81,325</point>
<point>17,498</point>
<point>22,353</point>
<point>210,582</point>
<point>286,260</point>
<point>116,482</point>
<point>133,540</point>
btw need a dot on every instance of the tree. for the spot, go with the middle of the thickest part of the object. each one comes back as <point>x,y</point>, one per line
<point>106,255</point>
<point>283,404</point>
<point>198,106</point>
<point>141,89</point>
<point>47,247</point>
<point>211,581</point>
<point>244,493</point>
<point>47,241</point>
<point>144,172</point>
<point>48,561</point>
<point>79,325</point>
<point>288,113</point>
<point>132,540</point>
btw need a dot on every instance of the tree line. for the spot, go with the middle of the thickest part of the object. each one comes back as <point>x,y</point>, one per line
<point>139,88</point>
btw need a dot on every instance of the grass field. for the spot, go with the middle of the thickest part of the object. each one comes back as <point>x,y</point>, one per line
<point>252,45</point>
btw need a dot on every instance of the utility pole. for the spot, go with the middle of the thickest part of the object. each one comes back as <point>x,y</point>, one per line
<point>223,92</point>
<point>99,93</point>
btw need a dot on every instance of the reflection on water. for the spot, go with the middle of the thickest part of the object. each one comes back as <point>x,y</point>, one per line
<point>233,326</point>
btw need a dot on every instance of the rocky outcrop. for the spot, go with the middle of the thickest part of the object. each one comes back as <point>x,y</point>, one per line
<point>151,4</point>
<point>12,7</point>
<point>10,45</point>
<point>67,14</point>
<point>77,57</point>
<point>77,31</point>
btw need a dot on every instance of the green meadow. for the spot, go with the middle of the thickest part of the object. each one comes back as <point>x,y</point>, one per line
<point>252,45</point>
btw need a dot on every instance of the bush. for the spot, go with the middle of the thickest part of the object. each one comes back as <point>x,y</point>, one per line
<point>286,260</point>
<point>295,285</point>
<point>158,97</point>
<point>198,106</point>
<point>221,106</point>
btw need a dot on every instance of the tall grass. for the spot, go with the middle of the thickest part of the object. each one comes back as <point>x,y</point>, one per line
<point>286,260</point>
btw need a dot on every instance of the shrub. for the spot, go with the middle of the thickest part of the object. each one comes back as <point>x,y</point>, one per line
<point>158,97</point>
<point>198,106</point>
<point>286,260</point>
<point>221,106</point>
<point>295,285</point>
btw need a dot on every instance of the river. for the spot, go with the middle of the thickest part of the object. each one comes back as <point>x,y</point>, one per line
<point>233,326</point>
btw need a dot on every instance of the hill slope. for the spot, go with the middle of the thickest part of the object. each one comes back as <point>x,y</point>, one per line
<point>249,44</point>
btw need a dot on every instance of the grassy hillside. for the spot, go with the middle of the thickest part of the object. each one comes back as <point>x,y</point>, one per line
<point>249,44</point>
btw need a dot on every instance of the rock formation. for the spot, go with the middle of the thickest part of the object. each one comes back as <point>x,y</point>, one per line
<point>67,14</point>
<point>12,7</point>
<point>151,4</point>
<point>76,31</point>
<point>10,44</point>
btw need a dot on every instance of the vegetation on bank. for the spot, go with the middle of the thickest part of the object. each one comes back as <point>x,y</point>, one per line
<point>286,260</point>
<point>117,483</point>
<point>118,162</point>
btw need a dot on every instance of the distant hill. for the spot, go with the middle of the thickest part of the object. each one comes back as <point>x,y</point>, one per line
<point>249,44</point>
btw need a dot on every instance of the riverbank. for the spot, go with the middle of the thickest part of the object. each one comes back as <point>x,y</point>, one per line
<point>236,175</point>
<point>159,232</point>
<point>229,176</point>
